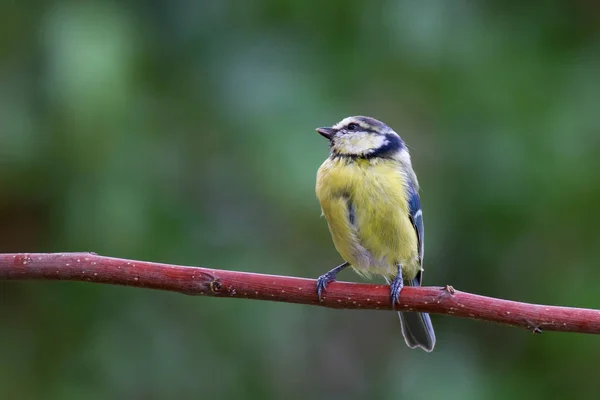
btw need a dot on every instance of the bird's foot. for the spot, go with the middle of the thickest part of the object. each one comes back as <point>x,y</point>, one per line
<point>322,282</point>
<point>327,278</point>
<point>396,288</point>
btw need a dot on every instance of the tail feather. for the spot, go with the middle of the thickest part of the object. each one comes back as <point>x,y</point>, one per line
<point>417,330</point>
<point>416,327</point>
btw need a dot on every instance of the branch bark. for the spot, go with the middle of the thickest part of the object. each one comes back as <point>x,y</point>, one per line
<point>90,267</point>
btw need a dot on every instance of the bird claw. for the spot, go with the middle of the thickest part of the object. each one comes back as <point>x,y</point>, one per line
<point>329,277</point>
<point>322,282</point>
<point>396,288</point>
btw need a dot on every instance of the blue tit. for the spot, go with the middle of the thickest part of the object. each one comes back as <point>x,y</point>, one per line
<point>368,193</point>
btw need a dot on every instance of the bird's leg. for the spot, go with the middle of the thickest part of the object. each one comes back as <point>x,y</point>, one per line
<point>329,277</point>
<point>396,287</point>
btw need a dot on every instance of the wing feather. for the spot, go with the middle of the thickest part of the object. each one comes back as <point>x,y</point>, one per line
<point>416,218</point>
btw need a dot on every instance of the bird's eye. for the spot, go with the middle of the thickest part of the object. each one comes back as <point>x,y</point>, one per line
<point>352,126</point>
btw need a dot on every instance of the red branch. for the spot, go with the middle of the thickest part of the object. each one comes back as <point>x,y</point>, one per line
<point>90,267</point>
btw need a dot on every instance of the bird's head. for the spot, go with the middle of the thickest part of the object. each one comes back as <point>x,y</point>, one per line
<point>362,137</point>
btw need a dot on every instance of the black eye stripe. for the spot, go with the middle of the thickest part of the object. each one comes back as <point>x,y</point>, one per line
<point>394,144</point>
<point>352,126</point>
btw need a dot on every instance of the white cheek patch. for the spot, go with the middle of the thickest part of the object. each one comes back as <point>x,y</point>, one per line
<point>358,143</point>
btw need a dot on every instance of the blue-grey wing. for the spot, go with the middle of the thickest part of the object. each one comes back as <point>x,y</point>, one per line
<point>416,327</point>
<point>416,217</point>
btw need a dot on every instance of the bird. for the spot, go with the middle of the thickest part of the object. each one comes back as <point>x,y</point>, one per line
<point>369,195</point>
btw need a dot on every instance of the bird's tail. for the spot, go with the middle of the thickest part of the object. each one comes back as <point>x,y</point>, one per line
<point>416,327</point>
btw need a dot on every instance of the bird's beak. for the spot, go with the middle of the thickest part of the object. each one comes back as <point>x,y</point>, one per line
<point>327,132</point>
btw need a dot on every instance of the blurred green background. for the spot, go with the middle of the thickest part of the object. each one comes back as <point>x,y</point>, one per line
<point>183,132</point>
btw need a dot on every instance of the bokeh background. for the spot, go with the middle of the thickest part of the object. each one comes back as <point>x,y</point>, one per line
<point>183,132</point>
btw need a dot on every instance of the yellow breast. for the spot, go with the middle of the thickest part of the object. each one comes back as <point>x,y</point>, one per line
<point>366,207</point>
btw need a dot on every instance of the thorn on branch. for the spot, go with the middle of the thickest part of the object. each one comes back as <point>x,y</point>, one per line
<point>446,291</point>
<point>533,328</point>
